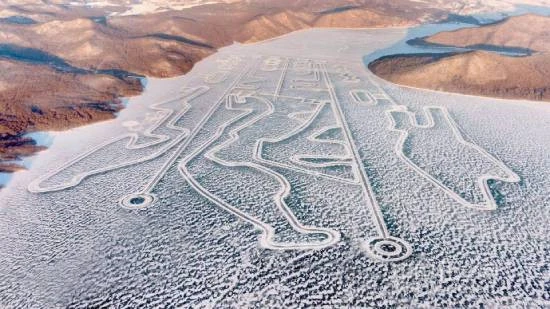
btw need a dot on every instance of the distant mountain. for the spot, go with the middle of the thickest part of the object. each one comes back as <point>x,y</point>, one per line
<point>481,72</point>
<point>527,31</point>
<point>470,7</point>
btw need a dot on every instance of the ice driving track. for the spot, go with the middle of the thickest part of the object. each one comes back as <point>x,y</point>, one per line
<point>267,235</point>
<point>146,191</point>
<point>482,180</point>
<point>266,238</point>
<point>168,120</point>
<point>400,248</point>
<point>176,140</point>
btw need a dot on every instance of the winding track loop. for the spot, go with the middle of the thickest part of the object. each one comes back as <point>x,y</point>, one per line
<point>147,190</point>
<point>267,236</point>
<point>168,120</point>
<point>311,117</point>
<point>482,180</point>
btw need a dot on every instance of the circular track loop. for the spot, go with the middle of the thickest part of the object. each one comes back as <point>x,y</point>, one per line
<point>137,201</point>
<point>387,249</point>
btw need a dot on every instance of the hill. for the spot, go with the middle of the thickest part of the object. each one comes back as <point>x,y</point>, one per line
<point>479,72</point>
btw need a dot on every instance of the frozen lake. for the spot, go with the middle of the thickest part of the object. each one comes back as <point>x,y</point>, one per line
<point>285,174</point>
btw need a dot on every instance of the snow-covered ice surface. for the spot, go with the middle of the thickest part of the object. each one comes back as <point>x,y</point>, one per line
<point>284,174</point>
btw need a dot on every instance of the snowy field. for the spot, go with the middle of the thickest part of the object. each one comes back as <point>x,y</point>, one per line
<point>284,174</point>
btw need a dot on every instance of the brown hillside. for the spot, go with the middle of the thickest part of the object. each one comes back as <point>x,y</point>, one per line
<point>48,100</point>
<point>480,73</point>
<point>527,31</point>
